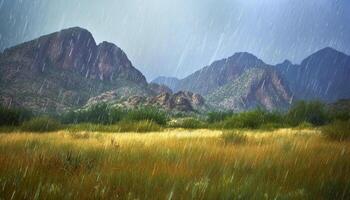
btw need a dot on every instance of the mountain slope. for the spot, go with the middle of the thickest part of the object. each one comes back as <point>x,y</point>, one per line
<point>324,76</point>
<point>63,70</point>
<point>256,87</point>
<point>219,73</point>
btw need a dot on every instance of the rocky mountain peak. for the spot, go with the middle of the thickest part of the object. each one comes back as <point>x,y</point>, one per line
<point>219,73</point>
<point>326,56</point>
<point>113,63</point>
<point>321,76</point>
<point>247,59</point>
<point>65,69</point>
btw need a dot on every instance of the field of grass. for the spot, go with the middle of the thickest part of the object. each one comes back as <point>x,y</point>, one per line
<point>174,164</point>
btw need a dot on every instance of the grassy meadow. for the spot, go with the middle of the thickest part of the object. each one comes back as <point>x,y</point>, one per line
<point>174,164</point>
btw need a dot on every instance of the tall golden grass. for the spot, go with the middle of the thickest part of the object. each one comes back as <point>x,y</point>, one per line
<point>173,164</point>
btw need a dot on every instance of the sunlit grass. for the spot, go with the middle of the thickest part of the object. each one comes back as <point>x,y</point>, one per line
<point>173,164</point>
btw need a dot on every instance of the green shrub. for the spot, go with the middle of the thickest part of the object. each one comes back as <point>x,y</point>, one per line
<point>13,117</point>
<point>340,115</point>
<point>338,130</point>
<point>313,112</point>
<point>148,114</point>
<point>188,123</point>
<point>234,137</point>
<point>242,120</point>
<point>252,119</point>
<point>97,114</point>
<point>41,124</point>
<point>139,126</point>
<point>214,117</point>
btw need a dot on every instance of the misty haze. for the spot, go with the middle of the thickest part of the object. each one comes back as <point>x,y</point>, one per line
<point>185,99</point>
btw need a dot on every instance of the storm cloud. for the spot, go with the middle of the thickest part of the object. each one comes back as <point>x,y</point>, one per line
<point>177,37</point>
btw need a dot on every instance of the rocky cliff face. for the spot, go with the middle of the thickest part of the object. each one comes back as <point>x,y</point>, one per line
<point>75,49</point>
<point>63,70</point>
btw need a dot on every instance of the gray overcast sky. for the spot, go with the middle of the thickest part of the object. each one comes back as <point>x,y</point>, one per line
<point>177,37</point>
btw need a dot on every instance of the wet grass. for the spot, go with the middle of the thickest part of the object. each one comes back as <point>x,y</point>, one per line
<point>174,164</point>
<point>121,127</point>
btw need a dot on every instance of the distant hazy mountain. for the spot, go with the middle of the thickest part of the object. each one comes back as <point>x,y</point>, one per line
<point>63,70</point>
<point>324,76</point>
<point>171,82</point>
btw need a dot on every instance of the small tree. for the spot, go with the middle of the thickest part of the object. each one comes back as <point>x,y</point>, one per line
<point>214,117</point>
<point>313,112</point>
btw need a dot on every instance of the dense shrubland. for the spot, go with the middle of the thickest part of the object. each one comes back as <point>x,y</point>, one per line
<point>107,115</point>
<point>13,117</point>
<point>41,124</point>
<point>106,118</point>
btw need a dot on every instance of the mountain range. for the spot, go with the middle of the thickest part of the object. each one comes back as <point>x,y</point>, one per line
<point>243,81</point>
<point>67,70</point>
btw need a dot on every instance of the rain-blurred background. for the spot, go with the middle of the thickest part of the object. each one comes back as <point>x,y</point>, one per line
<point>177,37</point>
